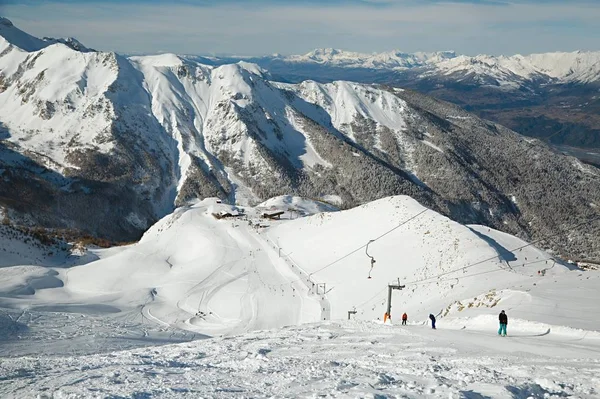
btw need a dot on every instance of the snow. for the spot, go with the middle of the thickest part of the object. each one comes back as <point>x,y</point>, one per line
<point>578,66</point>
<point>508,71</point>
<point>333,199</point>
<point>435,147</point>
<point>344,100</point>
<point>297,204</point>
<point>56,74</point>
<point>17,248</point>
<point>333,359</point>
<point>59,103</point>
<point>216,300</point>
<point>392,60</point>
<point>347,103</point>
<point>247,306</point>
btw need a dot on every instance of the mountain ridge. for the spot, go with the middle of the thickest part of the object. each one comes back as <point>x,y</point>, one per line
<point>552,96</point>
<point>577,66</point>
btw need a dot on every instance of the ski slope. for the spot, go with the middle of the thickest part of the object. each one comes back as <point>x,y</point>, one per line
<point>196,272</point>
<point>274,296</point>
<point>413,255</point>
<point>330,359</point>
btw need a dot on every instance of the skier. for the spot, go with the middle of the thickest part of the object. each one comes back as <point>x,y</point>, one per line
<point>432,318</point>
<point>503,323</point>
<point>404,319</point>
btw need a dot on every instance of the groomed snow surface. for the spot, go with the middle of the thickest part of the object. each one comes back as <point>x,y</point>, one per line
<point>221,301</point>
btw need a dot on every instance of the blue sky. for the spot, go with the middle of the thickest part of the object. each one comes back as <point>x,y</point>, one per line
<point>256,27</point>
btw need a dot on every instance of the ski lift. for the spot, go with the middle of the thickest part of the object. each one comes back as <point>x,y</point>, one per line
<point>372,258</point>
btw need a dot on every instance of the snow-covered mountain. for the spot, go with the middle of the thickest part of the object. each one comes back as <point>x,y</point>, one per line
<point>25,41</point>
<point>106,144</point>
<point>552,96</point>
<point>558,67</point>
<point>386,60</point>
<point>18,38</point>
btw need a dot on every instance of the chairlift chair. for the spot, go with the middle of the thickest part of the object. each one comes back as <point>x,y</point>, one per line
<point>372,259</point>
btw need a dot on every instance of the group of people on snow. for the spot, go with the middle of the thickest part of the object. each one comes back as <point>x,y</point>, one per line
<point>502,318</point>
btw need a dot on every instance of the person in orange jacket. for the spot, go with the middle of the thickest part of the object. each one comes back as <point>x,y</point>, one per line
<point>404,319</point>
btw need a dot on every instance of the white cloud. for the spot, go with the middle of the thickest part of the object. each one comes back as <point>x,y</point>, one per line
<point>240,29</point>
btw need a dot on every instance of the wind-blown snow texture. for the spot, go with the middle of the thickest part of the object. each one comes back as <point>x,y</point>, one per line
<point>77,330</point>
<point>105,144</point>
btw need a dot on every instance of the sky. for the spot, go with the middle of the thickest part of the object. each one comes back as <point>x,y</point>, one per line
<point>260,27</point>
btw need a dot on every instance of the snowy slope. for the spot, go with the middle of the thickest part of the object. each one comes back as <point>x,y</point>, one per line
<point>209,275</point>
<point>300,205</point>
<point>334,359</point>
<point>194,272</point>
<point>21,247</point>
<point>245,274</point>
<point>414,254</point>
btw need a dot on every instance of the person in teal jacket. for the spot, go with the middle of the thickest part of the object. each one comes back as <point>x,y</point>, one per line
<point>503,318</point>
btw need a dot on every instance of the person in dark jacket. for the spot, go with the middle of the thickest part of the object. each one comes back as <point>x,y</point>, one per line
<point>432,318</point>
<point>503,318</point>
<point>404,319</point>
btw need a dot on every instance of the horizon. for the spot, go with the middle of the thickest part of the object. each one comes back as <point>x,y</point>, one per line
<point>288,27</point>
<point>275,54</point>
<point>249,56</point>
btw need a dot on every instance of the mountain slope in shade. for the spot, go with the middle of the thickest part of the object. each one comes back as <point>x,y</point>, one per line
<point>106,144</point>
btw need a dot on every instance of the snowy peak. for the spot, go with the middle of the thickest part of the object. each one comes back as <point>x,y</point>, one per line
<point>29,43</point>
<point>5,22</point>
<point>18,38</point>
<point>557,67</point>
<point>392,59</point>
<point>70,42</point>
<point>582,67</point>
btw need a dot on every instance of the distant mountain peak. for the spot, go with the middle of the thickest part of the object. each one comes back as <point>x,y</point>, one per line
<point>29,43</point>
<point>5,22</point>
<point>70,42</point>
<point>325,51</point>
<point>555,67</point>
<point>18,38</point>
